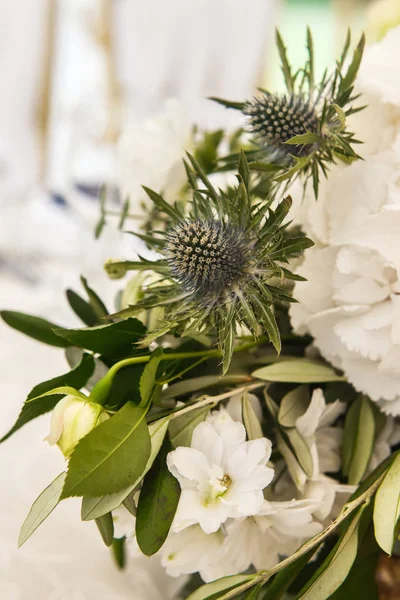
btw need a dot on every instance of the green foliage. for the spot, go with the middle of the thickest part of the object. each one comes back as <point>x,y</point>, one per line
<point>36,404</point>
<point>115,340</point>
<point>387,507</point>
<point>358,439</point>
<point>302,370</point>
<point>158,502</point>
<point>209,590</point>
<point>41,508</point>
<point>93,508</point>
<point>105,525</point>
<point>111,457</point>
<point>35,327</point>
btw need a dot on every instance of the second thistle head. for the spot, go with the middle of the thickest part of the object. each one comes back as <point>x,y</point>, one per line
<point>274,119</point>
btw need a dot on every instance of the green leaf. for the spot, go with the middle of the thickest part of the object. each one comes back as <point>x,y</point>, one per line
<point>360,584</point>
<point>181,428</point>
<point>35,327</point>
<point>114,340</point>
<point>293,405</point>
<point>220,585</point>
<point>105,525</point>
<point>41,508</point>
<point>111,457</point>
<point>228,103</point>
<point>299,447</point>
<point>124,214</point>
<point>358,439</point>
<point>303,139</point>
<point>200,383</point>
<point>118,550</point>
<point>148,378</point>
<point>284,578</point>
<point>302,370</point>
<point>82,308</point>
<point>161,204</point>
<point>158,502</point>
<point>96,507</point>
<point>335,568</point>
<point>387,507</point>
<point>284,62</point>
<point>250,419</point>
<point>95,301</point>
<point>36,404</point>
<point>352,70</point>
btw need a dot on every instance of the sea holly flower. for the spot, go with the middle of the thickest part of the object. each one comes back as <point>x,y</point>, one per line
<point>221,475</point>
<point>222,263</point>
<point>73,418</point>
<point>304,129</point>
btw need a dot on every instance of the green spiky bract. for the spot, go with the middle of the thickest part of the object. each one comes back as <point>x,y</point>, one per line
<point>223,262</point>
<point>305,129</point>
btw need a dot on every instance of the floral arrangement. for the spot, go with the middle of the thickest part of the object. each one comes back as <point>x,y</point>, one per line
<point>236,415</point>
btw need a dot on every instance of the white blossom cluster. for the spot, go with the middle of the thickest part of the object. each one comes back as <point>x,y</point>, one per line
<point>351,301</point>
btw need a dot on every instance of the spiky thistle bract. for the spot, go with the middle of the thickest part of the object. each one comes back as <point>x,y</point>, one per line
<point>304,129</point>
<point>222,262</point>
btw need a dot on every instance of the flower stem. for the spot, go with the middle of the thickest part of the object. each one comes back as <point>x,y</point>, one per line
<point>102,388</point>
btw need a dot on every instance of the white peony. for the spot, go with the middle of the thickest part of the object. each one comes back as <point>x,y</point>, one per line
<point>150,153</point>
<point>350,302</point>
<point>221,475</point>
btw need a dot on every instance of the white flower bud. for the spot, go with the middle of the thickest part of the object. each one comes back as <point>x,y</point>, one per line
<point>72,419</point>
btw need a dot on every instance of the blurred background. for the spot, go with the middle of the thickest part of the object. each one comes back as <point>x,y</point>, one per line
<point>87,89</point>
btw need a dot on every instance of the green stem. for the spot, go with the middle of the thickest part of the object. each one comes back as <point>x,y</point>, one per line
<point>101,390</point>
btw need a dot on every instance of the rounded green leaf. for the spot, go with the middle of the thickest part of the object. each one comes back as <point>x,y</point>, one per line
<point>293,406</point>
<point>111,457</point>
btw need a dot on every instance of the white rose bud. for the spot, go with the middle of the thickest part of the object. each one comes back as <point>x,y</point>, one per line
<point>72,419</point>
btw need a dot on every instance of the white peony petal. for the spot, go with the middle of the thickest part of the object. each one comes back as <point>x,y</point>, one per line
<point>373,344</point>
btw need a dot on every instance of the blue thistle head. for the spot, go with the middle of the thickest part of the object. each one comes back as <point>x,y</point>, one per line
<point>274,119</point>
<point>208,258</point>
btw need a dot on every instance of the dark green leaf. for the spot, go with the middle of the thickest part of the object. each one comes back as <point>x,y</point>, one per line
<point>114,340</point>
<point>286,70</point>
<point>106,527</point>
<point>35,327</point>
<point>158,502</point>
<point>41,508</point>
<point>35,406</point>
<point>118,550</point>
<point>111,457</point>
<point>228,103</point>
<point>82,308</point>
<point>95,302</point>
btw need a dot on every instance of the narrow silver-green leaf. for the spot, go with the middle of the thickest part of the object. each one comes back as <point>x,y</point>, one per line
<point>301,370</point>
<point>41,508</point>
<point>111,457</point>
<point>358,439</point>
<point>335,568</point>
<point>220,585</point>
<point>293,405</point>
<point>387,507</point>
<point>250,419</point>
